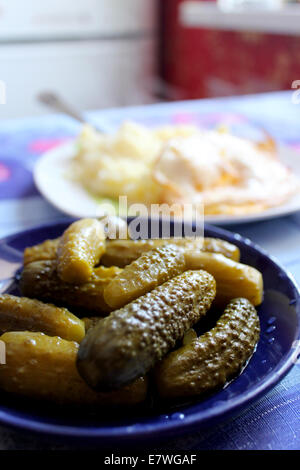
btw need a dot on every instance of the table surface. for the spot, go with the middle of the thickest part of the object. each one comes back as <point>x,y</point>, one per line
<point>274,421</point>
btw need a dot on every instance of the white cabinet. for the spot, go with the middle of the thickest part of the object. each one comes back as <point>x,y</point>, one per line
<point>29,19</point>
<point>95,53</point>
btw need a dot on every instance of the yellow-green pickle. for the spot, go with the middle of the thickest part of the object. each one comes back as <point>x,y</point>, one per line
<point>131,340</point>
<point>41,252</point>
<point>123,252</point>
<point>22,314</point>
<point>44,367</point>
<point>149,271</point>
<point>208,362</point>
<point>233,279</point>
<point>79,250</point>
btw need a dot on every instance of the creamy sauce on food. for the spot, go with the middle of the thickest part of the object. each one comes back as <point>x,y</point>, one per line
<point>216,168</point>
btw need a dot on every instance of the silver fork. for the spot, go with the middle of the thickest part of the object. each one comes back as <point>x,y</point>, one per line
<point>55,102</point>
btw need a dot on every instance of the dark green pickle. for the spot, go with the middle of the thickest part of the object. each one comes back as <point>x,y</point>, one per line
<point>40,280</point>
<point>209,361</point>
<point>128,343</point>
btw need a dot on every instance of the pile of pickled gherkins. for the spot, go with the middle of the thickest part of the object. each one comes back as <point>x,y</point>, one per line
<point>112,322</point>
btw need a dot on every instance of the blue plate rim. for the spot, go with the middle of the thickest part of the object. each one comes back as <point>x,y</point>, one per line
<point>159,429</point>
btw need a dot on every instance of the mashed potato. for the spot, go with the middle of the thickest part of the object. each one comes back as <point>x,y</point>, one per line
<point>122,164</point>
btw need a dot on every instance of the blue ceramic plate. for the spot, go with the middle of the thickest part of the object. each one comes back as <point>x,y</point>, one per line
<point>275,355</point>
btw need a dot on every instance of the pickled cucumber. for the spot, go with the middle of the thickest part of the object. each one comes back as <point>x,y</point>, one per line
<point>233,279</point>
<point>212,359</point>
<point>147,272</point>
<point>22,314</point>
<point>222,247</point>
<point>90,322</point>
<point>44,367</point>
<point>40,280</point>
<point>131,340</point>
<point>42,251</point>
<point>79,250</point>
<point>123,252</point>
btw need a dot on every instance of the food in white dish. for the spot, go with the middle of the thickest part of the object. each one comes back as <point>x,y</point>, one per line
<point>182,164</point>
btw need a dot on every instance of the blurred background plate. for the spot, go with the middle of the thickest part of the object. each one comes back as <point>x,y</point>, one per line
<point>51,179</point>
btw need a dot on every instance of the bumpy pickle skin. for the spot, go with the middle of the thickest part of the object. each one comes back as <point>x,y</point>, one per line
<point>41,252</point>
<point>123,252</point>
<point>233,279</point>
<point>141,276</point>
<point>79,250</point>
<point>43,367</point>
<point>209,361</point>
<point>125,345</point>
<point>22,314</point>
<point>40,280</point>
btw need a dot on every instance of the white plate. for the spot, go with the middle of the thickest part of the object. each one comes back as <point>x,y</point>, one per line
<point>70,198</point>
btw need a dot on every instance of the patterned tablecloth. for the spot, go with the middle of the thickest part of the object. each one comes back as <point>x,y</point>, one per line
<point>274,421</point>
